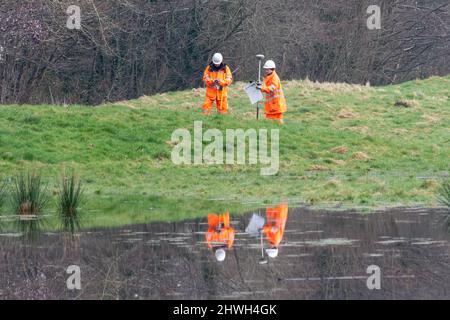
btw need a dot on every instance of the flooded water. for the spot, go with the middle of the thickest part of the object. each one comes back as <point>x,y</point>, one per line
<point>321,255</point>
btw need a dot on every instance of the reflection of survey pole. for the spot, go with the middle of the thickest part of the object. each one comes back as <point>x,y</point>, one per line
<point>260,58</point>
<point>255,229</point>
<point>263,260</point>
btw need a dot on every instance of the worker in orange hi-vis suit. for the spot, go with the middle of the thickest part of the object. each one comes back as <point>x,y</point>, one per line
<point>220,235</point>
<point>274,228</point>
<point>217,78</point>
<point>275,105</point>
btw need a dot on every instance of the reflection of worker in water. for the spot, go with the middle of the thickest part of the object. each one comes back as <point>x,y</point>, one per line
<point>220,235</point>
<point>274,228</point>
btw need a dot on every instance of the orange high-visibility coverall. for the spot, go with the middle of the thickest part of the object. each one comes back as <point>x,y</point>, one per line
<point>219,95</point>
<point>275,102</point>
<point>219,231</point>
<point>275,224</point>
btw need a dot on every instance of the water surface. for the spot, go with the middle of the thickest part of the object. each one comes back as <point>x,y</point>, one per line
<point>322,255</point>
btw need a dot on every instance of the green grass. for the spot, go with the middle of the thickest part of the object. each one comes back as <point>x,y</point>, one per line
<point>396,155</point>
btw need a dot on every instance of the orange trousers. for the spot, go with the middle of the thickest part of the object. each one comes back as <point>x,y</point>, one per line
<point>221,104</point>
<point>275,116</point>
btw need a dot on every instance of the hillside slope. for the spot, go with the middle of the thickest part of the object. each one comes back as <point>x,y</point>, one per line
<point>342,143</point>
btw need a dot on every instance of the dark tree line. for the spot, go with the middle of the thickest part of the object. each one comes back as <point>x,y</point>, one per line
<point>128,48</point>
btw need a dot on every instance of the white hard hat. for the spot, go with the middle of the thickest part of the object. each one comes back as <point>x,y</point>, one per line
<point>273,252</point>
<point>217,58</point>
<point>270,64</point>
<point>220,255</point>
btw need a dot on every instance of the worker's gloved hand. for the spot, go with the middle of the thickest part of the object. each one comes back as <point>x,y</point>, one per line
<point>218,84</point>
<point>258,85</point>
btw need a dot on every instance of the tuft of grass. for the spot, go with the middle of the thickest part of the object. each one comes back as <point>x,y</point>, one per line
<point>69,199</point>
<point>360,156</point>
<point>341,150</point>
<point>346,114</point>
<point>444,199</point>
<point>444,195</point>
<point>2,193</point>
<point>28,196</point>
<point>407,103</point>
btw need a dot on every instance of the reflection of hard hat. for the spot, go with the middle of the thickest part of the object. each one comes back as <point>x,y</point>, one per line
<point>220,255</point>
<point>273,252</point>
<point>217,58</point>
<point>270,64</point>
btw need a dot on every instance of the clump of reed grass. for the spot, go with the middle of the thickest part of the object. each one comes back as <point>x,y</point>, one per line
<point>444,199</point>
<point>28,196</point>
<point>2,193</point>
<point>69,199</point>
<point>444,194</point>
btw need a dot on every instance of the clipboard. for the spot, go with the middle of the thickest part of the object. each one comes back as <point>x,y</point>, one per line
<point>253,94</point>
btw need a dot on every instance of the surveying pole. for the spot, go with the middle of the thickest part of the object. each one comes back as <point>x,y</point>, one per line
<point>260,58</point>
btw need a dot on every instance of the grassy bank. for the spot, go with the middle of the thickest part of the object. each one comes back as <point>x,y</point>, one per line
<point>342,143</point>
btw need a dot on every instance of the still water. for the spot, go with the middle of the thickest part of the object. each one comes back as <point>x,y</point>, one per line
<point>287,253</point>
